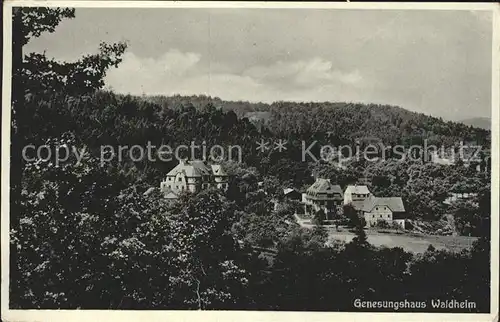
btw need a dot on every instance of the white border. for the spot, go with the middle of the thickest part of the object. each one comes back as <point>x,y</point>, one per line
<point>243,316</point>
<point>250,4</point>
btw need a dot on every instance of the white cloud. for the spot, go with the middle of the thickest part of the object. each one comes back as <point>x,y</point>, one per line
<point>304,73</point>
<point>172,62</point>
<point>176,72</point>
<point>137,75</point>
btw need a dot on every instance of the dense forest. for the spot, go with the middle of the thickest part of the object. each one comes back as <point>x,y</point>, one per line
<point>339,122</point>
<point>92,235</point>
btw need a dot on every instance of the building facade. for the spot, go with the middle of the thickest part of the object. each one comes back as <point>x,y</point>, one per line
<point>323,196</point>
<point>193,176</point>
<point>388,209</point>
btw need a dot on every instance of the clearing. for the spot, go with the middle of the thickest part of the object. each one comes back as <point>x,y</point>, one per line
<point>411,243</point>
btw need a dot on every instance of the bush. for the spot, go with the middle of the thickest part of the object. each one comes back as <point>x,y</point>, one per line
<point>319,218</point>
<point>381,223</point>
<point>395,225</point>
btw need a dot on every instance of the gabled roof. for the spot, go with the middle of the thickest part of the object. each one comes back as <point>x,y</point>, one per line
<point>324,186</point>
<point>395,204</point>
<point>149,191</point>
<point>169,194</point>
<point>357,189</point>
<point>288,190</point>
<point>197,169</point>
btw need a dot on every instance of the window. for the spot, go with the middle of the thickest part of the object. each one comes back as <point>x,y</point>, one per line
<point>376,208</point>
<point>180,179</point>
<point>169,179</point>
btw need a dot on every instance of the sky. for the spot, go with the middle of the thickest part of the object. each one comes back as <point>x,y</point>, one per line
<point>433,62</point>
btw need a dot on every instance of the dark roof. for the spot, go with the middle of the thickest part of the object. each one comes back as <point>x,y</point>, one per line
<point>395,204</point>
<point>324,186</point>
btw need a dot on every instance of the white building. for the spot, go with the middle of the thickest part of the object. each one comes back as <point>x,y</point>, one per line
<point>356,196</point>
<point>439,158</point>
<point>388,209</point>
<point>193,176</point>
<point>462,196</point>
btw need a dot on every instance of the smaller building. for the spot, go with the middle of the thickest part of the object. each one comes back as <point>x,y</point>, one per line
<point>442,158</point>
<point>356,195</point>
<point>467,155</point>
<point>460,196</point>
<point>291,194</point>
<point>323,196</point>
<point>388,209</point>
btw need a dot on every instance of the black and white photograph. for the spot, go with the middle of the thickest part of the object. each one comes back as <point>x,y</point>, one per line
<point>320,159</point>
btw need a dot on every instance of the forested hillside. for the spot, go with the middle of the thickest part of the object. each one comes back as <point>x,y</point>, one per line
<point>106,118</point>
<point>340,121</point>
